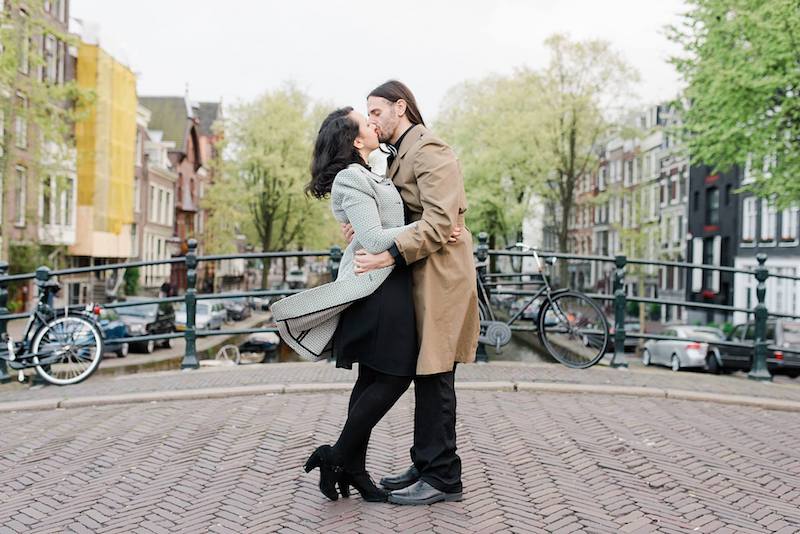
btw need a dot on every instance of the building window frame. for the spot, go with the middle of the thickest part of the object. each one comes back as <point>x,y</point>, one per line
<point>20,195</point>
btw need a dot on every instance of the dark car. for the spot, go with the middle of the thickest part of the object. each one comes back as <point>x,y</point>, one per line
<point>113,328</point>
<point>148,318</point>
<point>783,348</point>
<point>631,343</point>
<point>237,308</point>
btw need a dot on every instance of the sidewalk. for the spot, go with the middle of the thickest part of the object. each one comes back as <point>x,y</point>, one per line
<point>544,449</point>
<point>497,375</point>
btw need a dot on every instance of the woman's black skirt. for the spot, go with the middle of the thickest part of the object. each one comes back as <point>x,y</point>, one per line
<point>380,331</point>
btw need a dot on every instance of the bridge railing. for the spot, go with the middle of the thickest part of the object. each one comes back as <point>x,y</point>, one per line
<point>190,298</point>
<point>618,296</point>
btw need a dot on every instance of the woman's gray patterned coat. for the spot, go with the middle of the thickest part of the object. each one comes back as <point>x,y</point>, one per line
<point>370,202</point>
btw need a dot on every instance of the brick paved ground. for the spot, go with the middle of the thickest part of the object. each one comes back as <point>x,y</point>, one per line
<point>294,373</point>
<point>532,463</point>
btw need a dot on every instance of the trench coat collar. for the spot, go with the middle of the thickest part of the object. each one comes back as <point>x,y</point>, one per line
<point>413,136</point>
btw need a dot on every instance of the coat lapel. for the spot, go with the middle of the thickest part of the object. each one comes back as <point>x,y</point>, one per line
<point>409,142</point>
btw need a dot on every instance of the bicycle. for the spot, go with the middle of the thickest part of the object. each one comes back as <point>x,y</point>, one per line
<point>570,325</point>
<point>64,347</point>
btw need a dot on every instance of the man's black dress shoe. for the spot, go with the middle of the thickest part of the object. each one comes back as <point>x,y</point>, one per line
<point>403,480</point>
<point>422,493</point>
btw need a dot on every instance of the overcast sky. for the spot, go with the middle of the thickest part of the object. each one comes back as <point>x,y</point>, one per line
<point>338,50</point>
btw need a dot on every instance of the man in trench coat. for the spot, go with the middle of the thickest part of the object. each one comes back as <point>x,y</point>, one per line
<point>428,176</point>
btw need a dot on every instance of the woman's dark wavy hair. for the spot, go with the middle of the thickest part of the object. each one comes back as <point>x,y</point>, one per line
<point>333,151</point>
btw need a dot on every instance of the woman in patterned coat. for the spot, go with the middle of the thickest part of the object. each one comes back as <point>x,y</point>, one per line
<point>368,318</point>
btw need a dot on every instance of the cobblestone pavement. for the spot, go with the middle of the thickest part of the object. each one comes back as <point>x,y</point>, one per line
<point>531,463</point>
<point>322,372</point>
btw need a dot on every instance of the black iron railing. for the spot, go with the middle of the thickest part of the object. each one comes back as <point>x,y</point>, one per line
<point>494,281</point>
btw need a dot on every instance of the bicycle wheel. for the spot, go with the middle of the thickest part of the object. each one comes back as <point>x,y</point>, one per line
<point>573,329</point>
<point>78,345</point>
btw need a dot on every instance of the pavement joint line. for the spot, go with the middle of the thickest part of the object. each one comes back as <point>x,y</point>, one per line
<point>342,387</point>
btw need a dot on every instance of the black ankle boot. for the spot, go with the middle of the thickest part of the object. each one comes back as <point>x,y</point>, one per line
<point>362,482</point>
<point>330,469</point>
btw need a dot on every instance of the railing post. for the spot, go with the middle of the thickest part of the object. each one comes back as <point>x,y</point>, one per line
<point>758,370</point>
<point>482,253</point>
<point>4,376</point>
<point>190,335</point>
<point>618,360</point>
<point>334,261</point>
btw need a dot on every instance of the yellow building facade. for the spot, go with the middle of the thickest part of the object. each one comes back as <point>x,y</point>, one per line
<point>106,143</point>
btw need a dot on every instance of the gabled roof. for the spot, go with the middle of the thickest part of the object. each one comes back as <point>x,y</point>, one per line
<point>171,115</point>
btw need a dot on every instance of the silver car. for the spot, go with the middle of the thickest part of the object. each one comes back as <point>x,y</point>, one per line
<point>689,350</point>
<point>209,315</point>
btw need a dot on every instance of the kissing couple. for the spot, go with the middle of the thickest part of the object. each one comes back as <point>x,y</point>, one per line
<point>404,305</point>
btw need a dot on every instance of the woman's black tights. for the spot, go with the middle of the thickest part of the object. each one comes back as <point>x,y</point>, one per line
<point>373,395</point>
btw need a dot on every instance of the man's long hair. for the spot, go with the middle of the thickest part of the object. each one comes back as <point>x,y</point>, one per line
<point>393,91</point>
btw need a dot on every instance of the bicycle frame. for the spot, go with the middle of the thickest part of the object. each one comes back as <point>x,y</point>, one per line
<point>17,354</point>
<point>546,289</point>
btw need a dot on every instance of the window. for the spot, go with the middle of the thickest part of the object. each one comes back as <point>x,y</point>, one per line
<point>21,123</point>
<point>20,190</point>
<point>696,201</point>
<point>139,143</point>
<point>151,205</point>
<point>749,212</point>
<point>789,220</point>
<point>137,194</point>
<point>25,44</point>
<point>748,170</point>
<point>46,200</point>
<point>170,208</point>
<point>676,229</point>
<point>728,195</point>
<point>134,242</point>
<point>712,206</point>
<point>60,58</point>
<point>160,212</point>
<point>62,10</point>
<point>768,216</point>
<point>65,194</point>
<point>49,70</point>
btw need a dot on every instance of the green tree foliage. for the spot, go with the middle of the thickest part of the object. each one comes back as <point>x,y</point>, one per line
<point>533,133</point>
<point>260,189</point>
<point>741,62</point>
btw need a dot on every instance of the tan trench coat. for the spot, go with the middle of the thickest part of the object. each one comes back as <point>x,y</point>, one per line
<point>429,179</point>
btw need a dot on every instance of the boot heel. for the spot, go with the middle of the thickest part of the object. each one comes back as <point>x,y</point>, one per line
<point>344,487</point>
<point>313,462</point>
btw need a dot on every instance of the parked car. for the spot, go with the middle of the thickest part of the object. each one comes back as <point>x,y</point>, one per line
<point>631,343</point>
<point>689,350</point>
<point>237,308</point>
<point>261,303</point>
<point>209,315</point>
<point>113,328</point>
<point>296,278</point>
<point>782,334</point>
<point>146,319</point>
